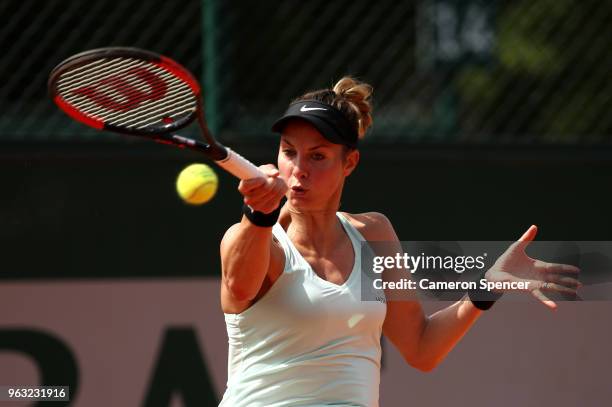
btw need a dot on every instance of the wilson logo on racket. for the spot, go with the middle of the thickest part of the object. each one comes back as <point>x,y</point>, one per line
<point>139,93</point>
<point>105,93</point>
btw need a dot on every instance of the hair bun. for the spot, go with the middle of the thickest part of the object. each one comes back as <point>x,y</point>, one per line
<point>357,95</point>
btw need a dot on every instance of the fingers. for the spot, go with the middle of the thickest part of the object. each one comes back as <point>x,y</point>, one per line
<point>246,186</point>
<point>524,240</point>
<point>269,169</point>
<point>546,267</point>
<point>562,279</point>
<point>544,299</point>
<point>530,234</point>
<point>558,288</point>
<point>263,194</point>
<point>265,203</point>
<point>565,286</point>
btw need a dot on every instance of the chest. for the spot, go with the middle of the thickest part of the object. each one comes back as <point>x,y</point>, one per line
<point>324,306</point>
<point>336,266</point>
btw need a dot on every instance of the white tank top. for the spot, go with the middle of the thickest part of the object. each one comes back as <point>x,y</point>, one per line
<point>307,341</point>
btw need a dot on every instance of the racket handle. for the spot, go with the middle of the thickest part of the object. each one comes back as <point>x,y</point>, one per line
<point>239,166</point>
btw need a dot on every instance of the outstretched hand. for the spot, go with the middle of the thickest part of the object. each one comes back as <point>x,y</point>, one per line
<point>543,277</point>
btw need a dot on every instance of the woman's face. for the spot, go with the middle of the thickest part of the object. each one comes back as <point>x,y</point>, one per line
<point>313,167</point>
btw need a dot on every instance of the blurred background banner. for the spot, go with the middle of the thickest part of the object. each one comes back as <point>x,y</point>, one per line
<point>444,71</point>
<point>162,343</point>
<point>489,116</point>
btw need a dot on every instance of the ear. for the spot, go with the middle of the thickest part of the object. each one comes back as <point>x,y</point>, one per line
<point>351,161</point>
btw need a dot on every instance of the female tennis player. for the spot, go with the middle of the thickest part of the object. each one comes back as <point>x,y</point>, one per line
<point>299,334</point>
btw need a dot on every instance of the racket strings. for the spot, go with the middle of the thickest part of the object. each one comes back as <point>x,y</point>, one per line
<point>114,76</point>
<point>99,73</point>
<point>118,90</point>
<point>179,94</point>
<point>95,71</point>
<point>126,92</point>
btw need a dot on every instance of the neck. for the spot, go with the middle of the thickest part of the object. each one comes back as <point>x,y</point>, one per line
<point>315,230</point>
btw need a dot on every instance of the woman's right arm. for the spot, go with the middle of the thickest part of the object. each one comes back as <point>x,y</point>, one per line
<point>247,250</point>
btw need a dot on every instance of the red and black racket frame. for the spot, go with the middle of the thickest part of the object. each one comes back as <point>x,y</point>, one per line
<point>161,132</point>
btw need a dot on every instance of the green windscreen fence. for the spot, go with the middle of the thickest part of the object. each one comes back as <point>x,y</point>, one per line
<point>444,71</point>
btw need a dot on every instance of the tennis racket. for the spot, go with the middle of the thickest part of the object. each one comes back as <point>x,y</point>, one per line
<point>139,93</point>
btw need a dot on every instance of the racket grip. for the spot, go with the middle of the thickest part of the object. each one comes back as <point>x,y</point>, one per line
<point>239,166</point>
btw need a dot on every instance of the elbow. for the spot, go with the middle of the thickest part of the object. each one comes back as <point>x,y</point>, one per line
<point>425,365</point>
<point>239,291</point>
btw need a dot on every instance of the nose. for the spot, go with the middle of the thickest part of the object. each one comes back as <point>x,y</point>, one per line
<point>300,169</point>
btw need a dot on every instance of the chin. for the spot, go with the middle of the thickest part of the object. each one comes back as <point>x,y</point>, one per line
<point>301,204</point>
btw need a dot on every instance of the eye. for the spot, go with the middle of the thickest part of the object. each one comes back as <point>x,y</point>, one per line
<point>318,156</point>
<point>288,152</point>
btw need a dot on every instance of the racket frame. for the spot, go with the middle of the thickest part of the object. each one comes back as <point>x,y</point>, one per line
<point>223,156</point>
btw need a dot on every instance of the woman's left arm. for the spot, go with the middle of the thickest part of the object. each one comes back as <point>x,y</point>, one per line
<point>425,347</point>
<point>425,341</point>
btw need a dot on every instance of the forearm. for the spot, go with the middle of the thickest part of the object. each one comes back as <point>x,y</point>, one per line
<point>245,258</point>
<point>444,329</point>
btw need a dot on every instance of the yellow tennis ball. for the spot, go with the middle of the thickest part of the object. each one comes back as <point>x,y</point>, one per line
<point>197,184</point>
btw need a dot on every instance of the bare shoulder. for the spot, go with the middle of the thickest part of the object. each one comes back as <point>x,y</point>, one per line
<point>373,226</point>
<point>235,233</point>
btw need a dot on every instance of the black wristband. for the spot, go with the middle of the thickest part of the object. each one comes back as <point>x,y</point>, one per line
<point>481,298</point>
<point>259,218</point>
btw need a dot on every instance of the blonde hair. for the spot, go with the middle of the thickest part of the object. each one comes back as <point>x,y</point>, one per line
<point>352,97</point>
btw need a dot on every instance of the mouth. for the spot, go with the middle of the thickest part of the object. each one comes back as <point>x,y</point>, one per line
<point>297,190</point>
